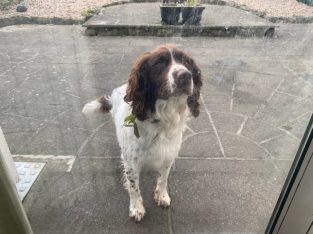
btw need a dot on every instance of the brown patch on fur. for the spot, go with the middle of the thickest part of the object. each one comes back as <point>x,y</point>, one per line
<point>105,104</point>
<point>148,81</point>
<point>190,64</point>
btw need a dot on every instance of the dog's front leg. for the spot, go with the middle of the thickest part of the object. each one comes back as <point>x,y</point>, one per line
<point>136,208</point>
<point>161,196</point>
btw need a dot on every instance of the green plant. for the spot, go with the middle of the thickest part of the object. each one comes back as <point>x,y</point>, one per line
<point>88,12</point>
<point>191,3</point>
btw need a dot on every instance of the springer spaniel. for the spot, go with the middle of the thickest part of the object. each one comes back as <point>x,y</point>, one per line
<point>163,87</point>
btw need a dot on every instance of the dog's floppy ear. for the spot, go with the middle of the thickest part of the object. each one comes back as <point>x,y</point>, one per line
<point>141,92</point>
<point>193,100</point>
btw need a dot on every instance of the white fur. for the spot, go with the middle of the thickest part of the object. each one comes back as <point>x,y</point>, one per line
<point>91,108</point>
<point>174,67</point>
<point>156,148</point>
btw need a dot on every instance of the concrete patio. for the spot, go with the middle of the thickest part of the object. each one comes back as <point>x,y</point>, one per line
<point>256,102</point>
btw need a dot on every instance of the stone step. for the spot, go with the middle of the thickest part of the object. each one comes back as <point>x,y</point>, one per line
<point>143,19</point>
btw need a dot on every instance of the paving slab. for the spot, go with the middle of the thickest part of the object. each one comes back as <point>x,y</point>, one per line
<point>298,125</point>
<point>231,123</point>
<point>192,146</point>
<point>215,196</point>
<point>143,19</point>
<point>259,131</point>
<point>207,195</point>
<point>90,198</point>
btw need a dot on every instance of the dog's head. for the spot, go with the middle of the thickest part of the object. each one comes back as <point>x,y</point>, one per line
<point>162,73</point>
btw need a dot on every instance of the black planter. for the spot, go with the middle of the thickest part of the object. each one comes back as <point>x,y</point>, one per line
<point>192,15</point>
<point>308,2</point>
<point>170,14</point>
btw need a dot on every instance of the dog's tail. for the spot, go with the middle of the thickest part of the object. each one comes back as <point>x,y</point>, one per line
<point>100,105</point>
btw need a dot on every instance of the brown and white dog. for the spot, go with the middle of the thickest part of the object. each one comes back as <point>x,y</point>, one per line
<point>163,88</point>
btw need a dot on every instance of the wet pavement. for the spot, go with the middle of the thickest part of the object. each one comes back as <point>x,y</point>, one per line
<point>256,102</point>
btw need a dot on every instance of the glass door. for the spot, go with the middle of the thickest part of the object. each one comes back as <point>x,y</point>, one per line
<point>293,212</point>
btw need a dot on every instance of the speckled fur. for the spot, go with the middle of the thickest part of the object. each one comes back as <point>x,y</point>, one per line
<point>160,126</point>
<point>156,149</point>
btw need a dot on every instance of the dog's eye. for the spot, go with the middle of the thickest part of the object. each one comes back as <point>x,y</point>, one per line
<point>161,61</point>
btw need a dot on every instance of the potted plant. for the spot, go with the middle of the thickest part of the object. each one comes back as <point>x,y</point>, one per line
<point>170,12</point>
<point>192,12</point>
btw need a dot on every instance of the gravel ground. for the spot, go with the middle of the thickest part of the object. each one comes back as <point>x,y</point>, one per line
<point>73,8</point>
<point>278,8</point>
<point>67,9</point>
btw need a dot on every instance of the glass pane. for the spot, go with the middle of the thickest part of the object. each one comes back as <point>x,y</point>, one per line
<point>248,64</point>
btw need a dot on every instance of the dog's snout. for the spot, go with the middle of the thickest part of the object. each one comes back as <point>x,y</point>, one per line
<point>181,80</point>
<point>183,77</point>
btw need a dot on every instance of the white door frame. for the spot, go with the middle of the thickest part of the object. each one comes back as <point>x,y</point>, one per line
<point>294,209</point>
<point>7,158</point>
<point>13,217</point>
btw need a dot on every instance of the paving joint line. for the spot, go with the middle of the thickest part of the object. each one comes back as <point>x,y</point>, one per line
<point>269,98</point>
<point>70,159</point>
<point>213,126</point>
<point>242,125</point>
<point>232,94</point>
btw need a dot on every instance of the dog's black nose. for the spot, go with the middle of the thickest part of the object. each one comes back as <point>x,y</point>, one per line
<point>183,77</point>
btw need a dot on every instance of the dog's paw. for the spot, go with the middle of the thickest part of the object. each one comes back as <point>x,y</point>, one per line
<point>162,198</point>
<point>137,212</point>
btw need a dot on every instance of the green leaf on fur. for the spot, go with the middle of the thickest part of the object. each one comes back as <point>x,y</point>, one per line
<point>130,121</point>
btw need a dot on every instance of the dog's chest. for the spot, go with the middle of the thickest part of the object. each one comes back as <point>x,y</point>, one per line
<point>159,144</point>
